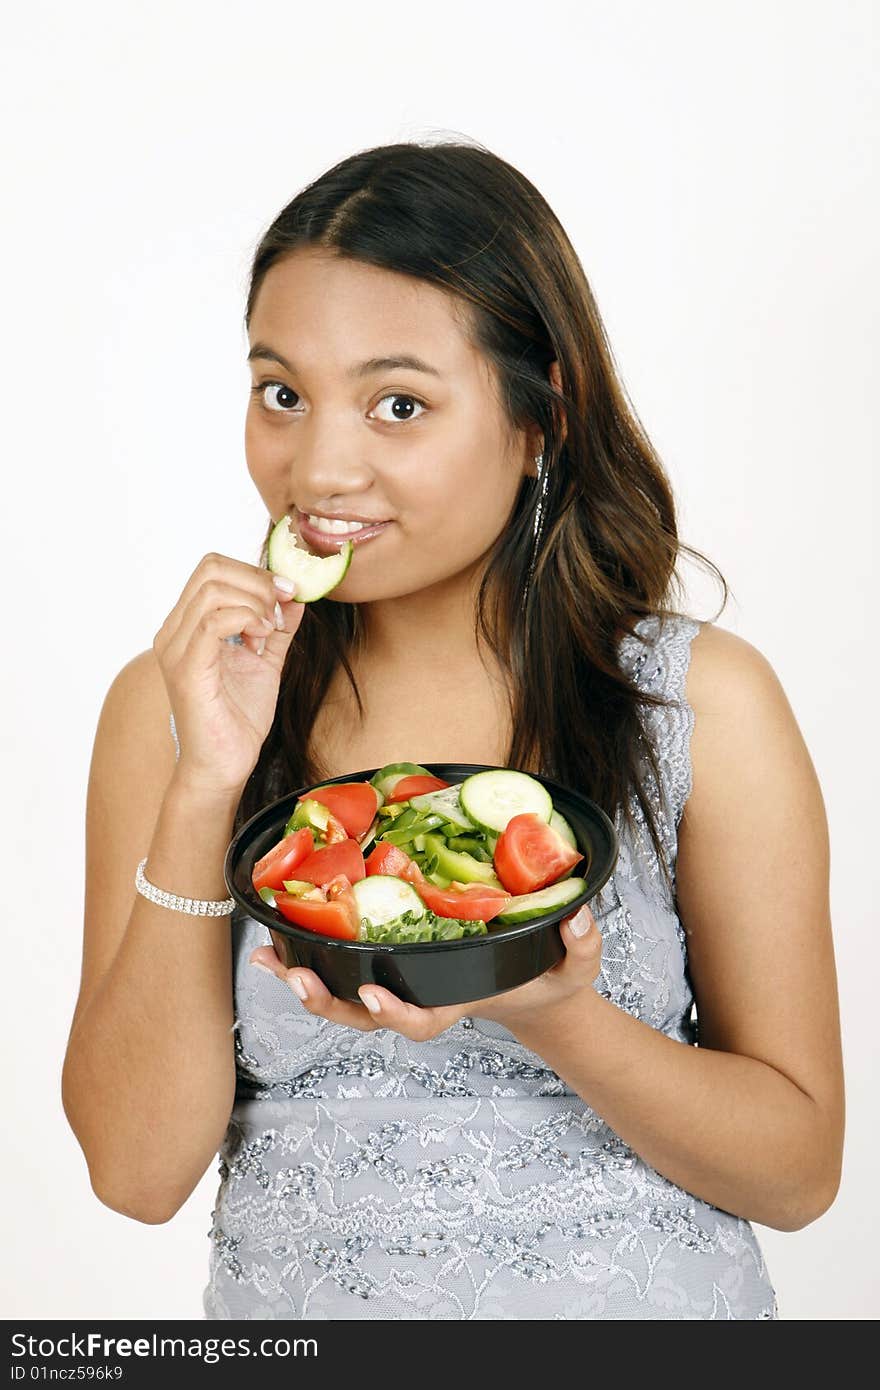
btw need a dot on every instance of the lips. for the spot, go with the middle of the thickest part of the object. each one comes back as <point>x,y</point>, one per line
<point>329,542</point>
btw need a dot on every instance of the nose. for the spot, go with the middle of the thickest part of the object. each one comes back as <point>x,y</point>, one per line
<point>328,467</point>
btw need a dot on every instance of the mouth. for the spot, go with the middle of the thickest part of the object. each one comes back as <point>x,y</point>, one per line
<point>329,541</point>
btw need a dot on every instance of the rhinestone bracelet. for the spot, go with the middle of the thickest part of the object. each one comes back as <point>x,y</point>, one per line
<point>197,907</point>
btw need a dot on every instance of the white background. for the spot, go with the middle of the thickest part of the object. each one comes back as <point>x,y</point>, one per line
<point>712,164</point>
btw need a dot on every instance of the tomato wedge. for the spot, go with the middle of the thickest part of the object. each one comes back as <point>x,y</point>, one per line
<point>344,857</point>
<point>354,804</point>
<point>335,832</point>
<point>280,862</point>
<point>416,785</point>
<point>475,901</point>
<point>530,854</point>
<point>337,917</point>
<point>391,859</point>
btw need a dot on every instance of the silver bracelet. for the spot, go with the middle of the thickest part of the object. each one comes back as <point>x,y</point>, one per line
<point>197,907</point>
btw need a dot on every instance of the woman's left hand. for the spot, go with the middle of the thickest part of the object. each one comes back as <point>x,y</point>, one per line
<point>380,1008</point>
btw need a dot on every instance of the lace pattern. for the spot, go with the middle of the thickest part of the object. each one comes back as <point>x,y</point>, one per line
<point>364,1175</point>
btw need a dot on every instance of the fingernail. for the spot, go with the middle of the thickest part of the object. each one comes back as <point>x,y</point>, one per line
<point>371,1002</point>
<point>299,989</point>
<point>261,646</point>
<point>279,618</point>
<point>581,922</point>
<point>258,965</point>
<point>284,586</point>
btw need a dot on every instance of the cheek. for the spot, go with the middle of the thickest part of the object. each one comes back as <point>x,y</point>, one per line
<point>462,501</point>
<point>265,459</point>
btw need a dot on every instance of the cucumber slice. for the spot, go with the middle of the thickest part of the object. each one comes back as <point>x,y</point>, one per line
<point>381,898</point>
<point>562,827</point>
<point>491,799</point>
<point>314,575</point>
<point>387,778</point>
<point>445,803</point>
<point>544,900</point>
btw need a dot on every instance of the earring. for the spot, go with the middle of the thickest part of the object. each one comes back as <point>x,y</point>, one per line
<point>543,476</point>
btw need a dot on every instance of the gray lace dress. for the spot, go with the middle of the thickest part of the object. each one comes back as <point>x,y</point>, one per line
<point>366,1176</point>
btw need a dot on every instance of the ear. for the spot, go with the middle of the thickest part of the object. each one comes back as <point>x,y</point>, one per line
<point>538,442</point>
<point>556,383</point>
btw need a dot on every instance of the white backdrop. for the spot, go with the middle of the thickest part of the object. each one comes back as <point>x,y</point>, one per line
<point>712,164</point>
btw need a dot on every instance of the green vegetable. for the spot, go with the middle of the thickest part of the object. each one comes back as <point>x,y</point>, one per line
<point>562,827</point>
<point>471,846</point>
<point>405,830</point>
<point>464,868</point>
<point>309,813</point>
<point>298,887</point>
<point>408,928</point>
<point>445,803</point>
<point>314,575</point>
<point>491,799</point>
<point>527,905</point>
<point>383,898</point>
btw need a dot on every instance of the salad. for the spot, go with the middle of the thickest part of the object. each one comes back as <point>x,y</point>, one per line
<point>407,857</point>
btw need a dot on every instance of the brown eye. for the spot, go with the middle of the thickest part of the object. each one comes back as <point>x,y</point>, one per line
<point>284,397</point>
<point>401,409</point>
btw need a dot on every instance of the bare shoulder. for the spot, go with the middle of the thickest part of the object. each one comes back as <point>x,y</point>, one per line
<point>142,677</point>
<point>750,764</point>
<point>741,712</point>
<point>726,671</point>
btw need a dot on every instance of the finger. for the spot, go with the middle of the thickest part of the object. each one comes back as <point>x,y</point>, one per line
<point>313,994</point>
<point>215,596</point>
<point>417,1024</point>
<point>204,644</point>
<point>582,941</point>
<point>288,616</point>
<point>257,583</point>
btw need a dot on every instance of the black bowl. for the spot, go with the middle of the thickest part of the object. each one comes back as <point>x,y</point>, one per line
<point>425,972</point>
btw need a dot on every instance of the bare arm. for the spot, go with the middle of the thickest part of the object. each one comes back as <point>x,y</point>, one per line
<point>752,1120</point>
<point>149,1077</point>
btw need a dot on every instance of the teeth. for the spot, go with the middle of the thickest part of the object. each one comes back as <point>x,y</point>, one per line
<point>335,528</point>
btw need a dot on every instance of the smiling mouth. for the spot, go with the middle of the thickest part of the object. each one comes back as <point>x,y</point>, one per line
<point>332,540</point>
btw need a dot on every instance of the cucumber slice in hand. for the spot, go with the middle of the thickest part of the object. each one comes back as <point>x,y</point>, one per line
<point>313,575</point>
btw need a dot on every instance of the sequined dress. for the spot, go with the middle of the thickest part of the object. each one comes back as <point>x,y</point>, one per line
<point>366,1176</point>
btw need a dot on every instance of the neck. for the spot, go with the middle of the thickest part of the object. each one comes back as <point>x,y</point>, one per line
<point>429,632</point>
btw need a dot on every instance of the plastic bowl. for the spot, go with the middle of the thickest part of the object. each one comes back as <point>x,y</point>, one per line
<point>425,972</point>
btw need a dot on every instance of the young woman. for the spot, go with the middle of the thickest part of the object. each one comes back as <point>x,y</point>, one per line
<point>429,362</point>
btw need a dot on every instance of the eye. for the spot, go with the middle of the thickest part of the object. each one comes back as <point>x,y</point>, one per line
<point>285,407</point>
<point>405,414</point>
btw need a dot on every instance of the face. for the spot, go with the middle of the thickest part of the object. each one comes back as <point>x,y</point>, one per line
<point>427,448</point>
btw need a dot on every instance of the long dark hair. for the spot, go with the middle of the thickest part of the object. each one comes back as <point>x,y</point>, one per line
<point>461,218</point>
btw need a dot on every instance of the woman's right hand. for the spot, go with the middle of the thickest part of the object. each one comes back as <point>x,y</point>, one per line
<point>223,695</point>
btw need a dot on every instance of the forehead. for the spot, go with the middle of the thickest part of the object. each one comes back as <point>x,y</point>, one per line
<point>316,304</point>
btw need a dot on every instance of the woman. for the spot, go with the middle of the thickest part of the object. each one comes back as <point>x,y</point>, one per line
<point>427,354</point>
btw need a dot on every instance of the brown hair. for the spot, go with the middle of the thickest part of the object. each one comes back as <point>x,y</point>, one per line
<point>461,218</point>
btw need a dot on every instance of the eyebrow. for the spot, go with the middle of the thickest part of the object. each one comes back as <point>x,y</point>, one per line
<point>373,364</point>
